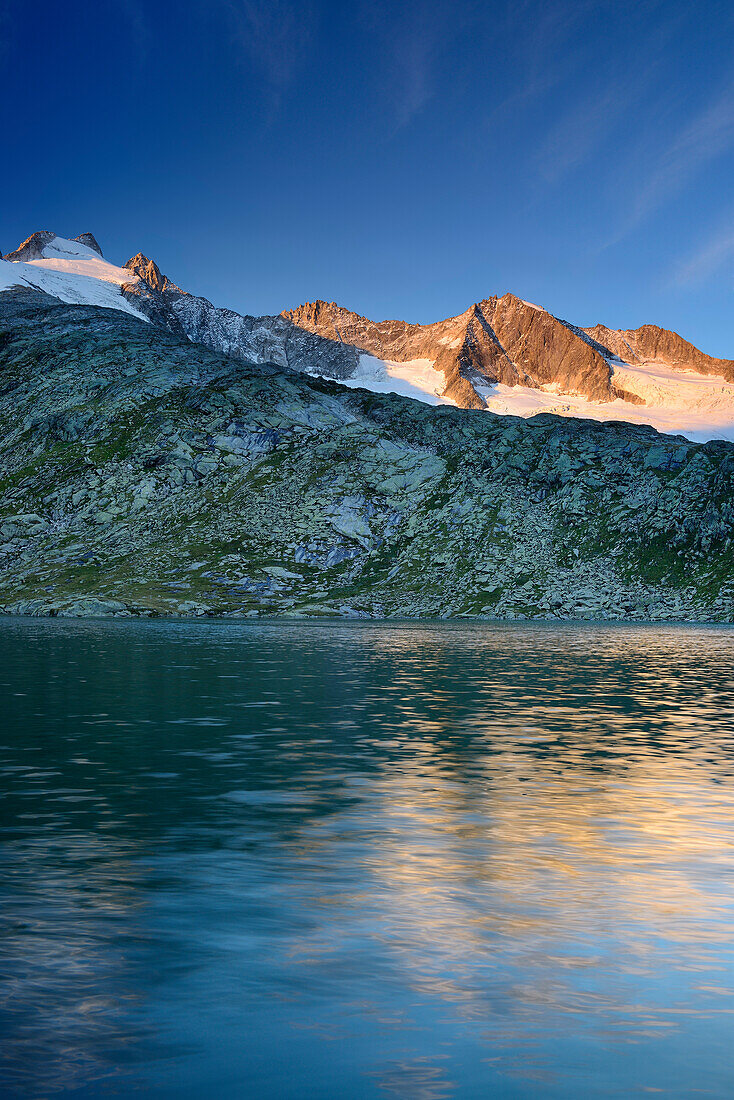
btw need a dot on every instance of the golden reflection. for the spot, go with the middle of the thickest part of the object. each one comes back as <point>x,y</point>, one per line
<point>507,880</point>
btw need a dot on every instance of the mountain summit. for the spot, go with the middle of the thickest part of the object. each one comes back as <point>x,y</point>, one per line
<point>33,248</point>
<point>144,474</point>
<point>498,340</point>
<point>71,270</point>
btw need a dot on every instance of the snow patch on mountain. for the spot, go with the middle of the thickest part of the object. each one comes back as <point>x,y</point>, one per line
<point>660,384</point>
<point>417,378</point>
<point>677,402</point>
<point>699,407</point>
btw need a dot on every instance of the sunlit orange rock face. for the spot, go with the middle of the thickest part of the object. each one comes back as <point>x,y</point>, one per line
<point>148,271</point>
<point>496,340</point>
<point>32,247</point>
<point>651,343</point>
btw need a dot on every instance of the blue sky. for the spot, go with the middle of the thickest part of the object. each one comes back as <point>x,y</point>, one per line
<point>403,160</point>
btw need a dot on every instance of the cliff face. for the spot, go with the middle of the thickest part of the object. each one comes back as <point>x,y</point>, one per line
<point>149,272</point>
<point>548,350</point>
<point>90,241</point>
<point>651,342</point>
<point>269,339</point>
<point>496,340</point>
<point>445,343</point>
<point>32,247</point>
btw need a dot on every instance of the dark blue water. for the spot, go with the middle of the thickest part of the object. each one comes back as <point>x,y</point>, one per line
<point>366,860</point>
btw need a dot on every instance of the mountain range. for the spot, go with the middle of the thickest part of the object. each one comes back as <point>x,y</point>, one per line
<point>502,354</point>
<point>161,456</point>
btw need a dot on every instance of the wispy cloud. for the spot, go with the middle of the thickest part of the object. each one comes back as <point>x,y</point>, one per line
<point>276,36</point>
<point>541,35</point>
<point>410,43</point>
<point>703,140</point>
<point>709,258</point>
<point>414,86</point>
<point>578,135</point>
<point>559,55</point>
<point>616,92</point>
<point>676,164</point>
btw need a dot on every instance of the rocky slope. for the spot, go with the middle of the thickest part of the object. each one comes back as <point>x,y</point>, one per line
<point>35,247</point>
<point>271,339</point>
<point>144,474</point>
<point>69,270</point>
<point>497,340</point>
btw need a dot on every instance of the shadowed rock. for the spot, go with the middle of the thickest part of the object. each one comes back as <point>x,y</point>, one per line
<point>497,341</point>
<point>144,474</point>
<point>90,241</point>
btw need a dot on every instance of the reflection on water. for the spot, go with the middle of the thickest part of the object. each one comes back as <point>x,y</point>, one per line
<point>366,860</point>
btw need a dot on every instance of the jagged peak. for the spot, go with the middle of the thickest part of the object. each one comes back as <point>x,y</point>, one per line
<point>320,312</point>
<point>509,298</point>
<point>650,342</point>
<point>319,305</point>
<point>148,270</point>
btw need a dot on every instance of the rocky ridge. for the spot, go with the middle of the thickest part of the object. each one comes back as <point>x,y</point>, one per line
<point>498,344</point>
<point>652,343</point>
<point>497,340</point>
<point>33,246</point>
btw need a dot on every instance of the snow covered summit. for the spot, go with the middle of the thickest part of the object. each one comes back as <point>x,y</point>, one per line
<point>73,271</point>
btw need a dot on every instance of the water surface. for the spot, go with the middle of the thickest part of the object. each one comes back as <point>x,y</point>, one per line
<point>366,860</point>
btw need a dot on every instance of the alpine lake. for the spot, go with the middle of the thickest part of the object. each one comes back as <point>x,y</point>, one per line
<point>366,859</point>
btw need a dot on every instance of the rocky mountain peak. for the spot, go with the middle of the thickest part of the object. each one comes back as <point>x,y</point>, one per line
<point>90,241</point>
<point>472,359</point>
<point>654,342</point>
<point>319,313</point>
<point>651,343</point>
<point>361,512</point>
<point>148,270</point>
<point>33,246</point>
